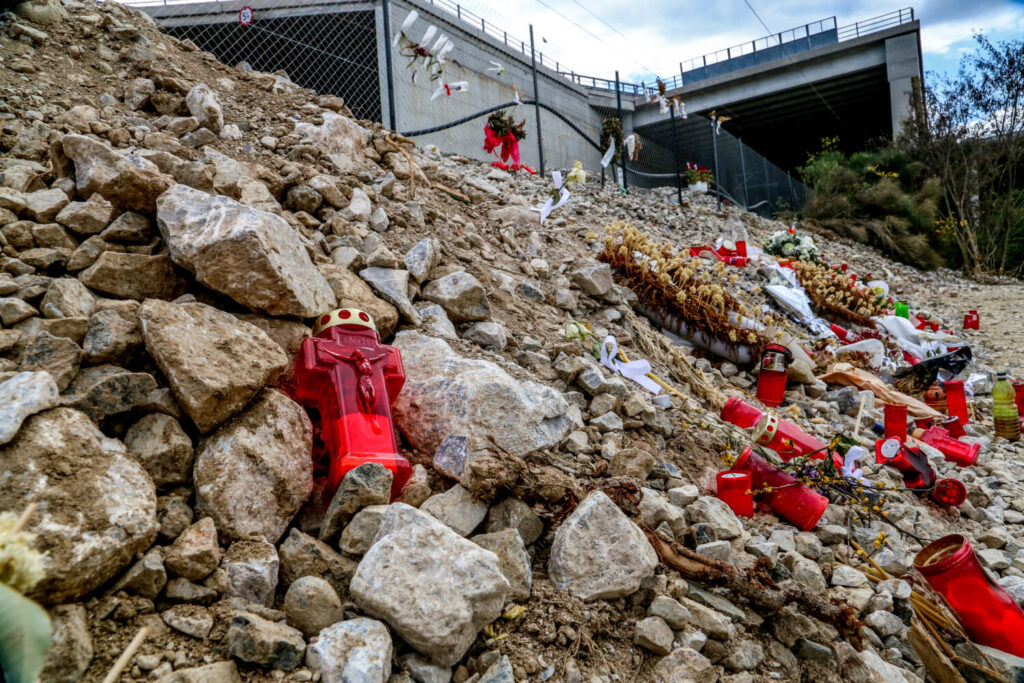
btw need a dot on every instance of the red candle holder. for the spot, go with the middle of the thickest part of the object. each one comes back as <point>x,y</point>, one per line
<point>735,491</point>
<point>740,413</point>
<point>896,422</point>
<point>911,463</point>
<point>845,335</point>
<point>963,454</point>
<point>352,380</point>
<point>802,506</point>
<point>956,400</point>
<point>786,439</point>
<point>953,426</point>
<point>949,492</point>
<point>972,321</point>
<point>771,380</point>
<point>987,613</point>
<point>1018,390</point>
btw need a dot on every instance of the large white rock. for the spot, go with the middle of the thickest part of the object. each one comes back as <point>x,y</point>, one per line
<point>433,587</point>
<point>339,137</point>
<point>447,394</point>
<point>599,553</point>
<point>203,105</point>
<point>252,256</point>
<point>96,506</point>
<point>214,362</point>
<point>350,651</point>
<point>254,473</point>
<point>127,181</point>
<point>27,393</point>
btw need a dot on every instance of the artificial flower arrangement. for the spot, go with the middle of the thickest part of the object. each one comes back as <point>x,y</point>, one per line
<point>611,129</point>
<point>502,131</point>
<point>835,293</point>
<point>792,245</point>
<point>577,174</point>
<point>672,284</point>
<point>502,123</point>
<point>695,173</point>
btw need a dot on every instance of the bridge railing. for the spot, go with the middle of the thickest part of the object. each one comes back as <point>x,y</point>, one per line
<point>883,21</point>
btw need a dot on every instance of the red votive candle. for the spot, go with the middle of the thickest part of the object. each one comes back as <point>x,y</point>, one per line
<point>949,492</point>
<point>896,422</point>
<point>786,439</point>
<point>734,491</point>
<point>985,610</point>
<point>956,400</point>
<point>740,413</point>
<point>798,504</point>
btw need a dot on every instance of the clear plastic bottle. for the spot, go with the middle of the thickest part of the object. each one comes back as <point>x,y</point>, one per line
<point>1004,408</point>
<point>736,233</point>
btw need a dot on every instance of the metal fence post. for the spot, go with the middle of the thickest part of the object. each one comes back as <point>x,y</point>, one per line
<point>743,171</point>
<point>385,7</point>
<point>618,112</point>
<point>536,98</point>
<point>792,197</point>
<point>714,148</point>
<point>675,156</point>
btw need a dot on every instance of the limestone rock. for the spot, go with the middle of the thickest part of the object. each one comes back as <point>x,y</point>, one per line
<point>252,256</point>
<point>446,394</point>
<point>203,105</point>
<point>312,605</point>
<point>513,513</point>
<point>133,276</point>
<point>112,337</point>
<point>214,362</point>
<point>302,555</point>
<point>43,206</point>
<point>686,665</point>
<point>70,646</point>
<point>195,553</point>
<point>424,256</point>
<point>353,650</point>
<point>92,518</point>
<point>457,508</point>
<point>137,94</point>
<point>128,181</point>
<point>254,473</point>
<point>358,535</point>
<point>467,589</point>
<point>25,394</point>
<point>595,279</point>
<point>368,484</point>
<point>58,356</point>
<point>715,513</point>
<point>107,390</point>
<point>13,311</point>
<point>147,577</point>
<point>273,646</point>
<point>161,446</point>
<point>653,634</point>
<point>87,218</point>
<point>340,138</point>
<point>359,207</point>
<point>218,672</point>
<point>393,287</point>
<point>435,321</point>
<point>599,553</point>
<point>461,295</point>
<point>67,298</point>
<point>489,335</point>
<point>192,620</point>
<point>513,560</point>
<point>353,292</point>
<point>251,568</point>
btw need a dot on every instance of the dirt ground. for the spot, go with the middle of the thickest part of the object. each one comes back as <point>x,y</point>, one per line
<point>1001,308</point>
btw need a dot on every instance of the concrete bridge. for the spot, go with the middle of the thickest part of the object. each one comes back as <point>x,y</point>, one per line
<point>783,92</point>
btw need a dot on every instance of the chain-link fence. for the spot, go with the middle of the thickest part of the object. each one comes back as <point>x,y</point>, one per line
<point>349,48</point>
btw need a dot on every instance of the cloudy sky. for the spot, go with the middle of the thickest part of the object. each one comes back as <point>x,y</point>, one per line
<point>596,37</point>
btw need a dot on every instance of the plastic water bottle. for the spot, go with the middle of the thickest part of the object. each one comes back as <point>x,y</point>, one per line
<point>1004,408</point>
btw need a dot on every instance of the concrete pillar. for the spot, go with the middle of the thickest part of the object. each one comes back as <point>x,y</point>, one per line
<point>902,65</point>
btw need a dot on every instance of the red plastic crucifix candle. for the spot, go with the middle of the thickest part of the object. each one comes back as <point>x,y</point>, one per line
<point>352,380</point>
<point>956,400</point>
<point>734,491</point>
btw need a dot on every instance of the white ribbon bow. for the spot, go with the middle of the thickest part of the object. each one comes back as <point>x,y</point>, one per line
<point>635,370</point>
<point>607,158</point>
<point>449,88</point>
<point>410,19</point>
<point>550,205</point>
<point>850,469</point>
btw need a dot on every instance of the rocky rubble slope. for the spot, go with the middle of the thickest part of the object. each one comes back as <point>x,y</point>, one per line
<point>168,227</point>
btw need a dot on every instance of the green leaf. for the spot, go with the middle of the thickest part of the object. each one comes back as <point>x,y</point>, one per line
<point>24,636</point>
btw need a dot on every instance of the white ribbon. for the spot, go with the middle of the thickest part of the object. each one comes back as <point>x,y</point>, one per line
<point>445,49</point>
<point>439,43</point>
<point>635,370</point>
<point>850,469</point>
<point>410,19</point>
<point>680,108</point>
<point>519,102</point>
<point>428,36</point>
<point>607,158</point>
<point>630,145</point>
<point>498,69</point>
<point>449,88</point>
<point>662,105</point>
<point>550,205</point>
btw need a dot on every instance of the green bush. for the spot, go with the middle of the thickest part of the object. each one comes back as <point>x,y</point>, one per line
<point>884,199</point>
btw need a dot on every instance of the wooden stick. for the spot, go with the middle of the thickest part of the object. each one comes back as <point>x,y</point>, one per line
<point>23,520</point>
<point>126,656</point>
<point>937,663</point>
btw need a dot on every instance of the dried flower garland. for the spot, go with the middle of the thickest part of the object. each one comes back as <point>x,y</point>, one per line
<point>833,292</point>
<point>674,284</point>
<point>611,129</point>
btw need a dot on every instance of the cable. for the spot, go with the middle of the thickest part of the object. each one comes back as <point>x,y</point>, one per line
<point>594,14</point>
<point>592,34</point>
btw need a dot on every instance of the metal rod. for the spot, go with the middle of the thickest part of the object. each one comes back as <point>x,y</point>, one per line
<point>618,112</point>
<point>743,171</point>
<point>714,148</point>
<point>792,197</point>
<point>536,96</point>
<point>675,155</point>
<point>385,7</point>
